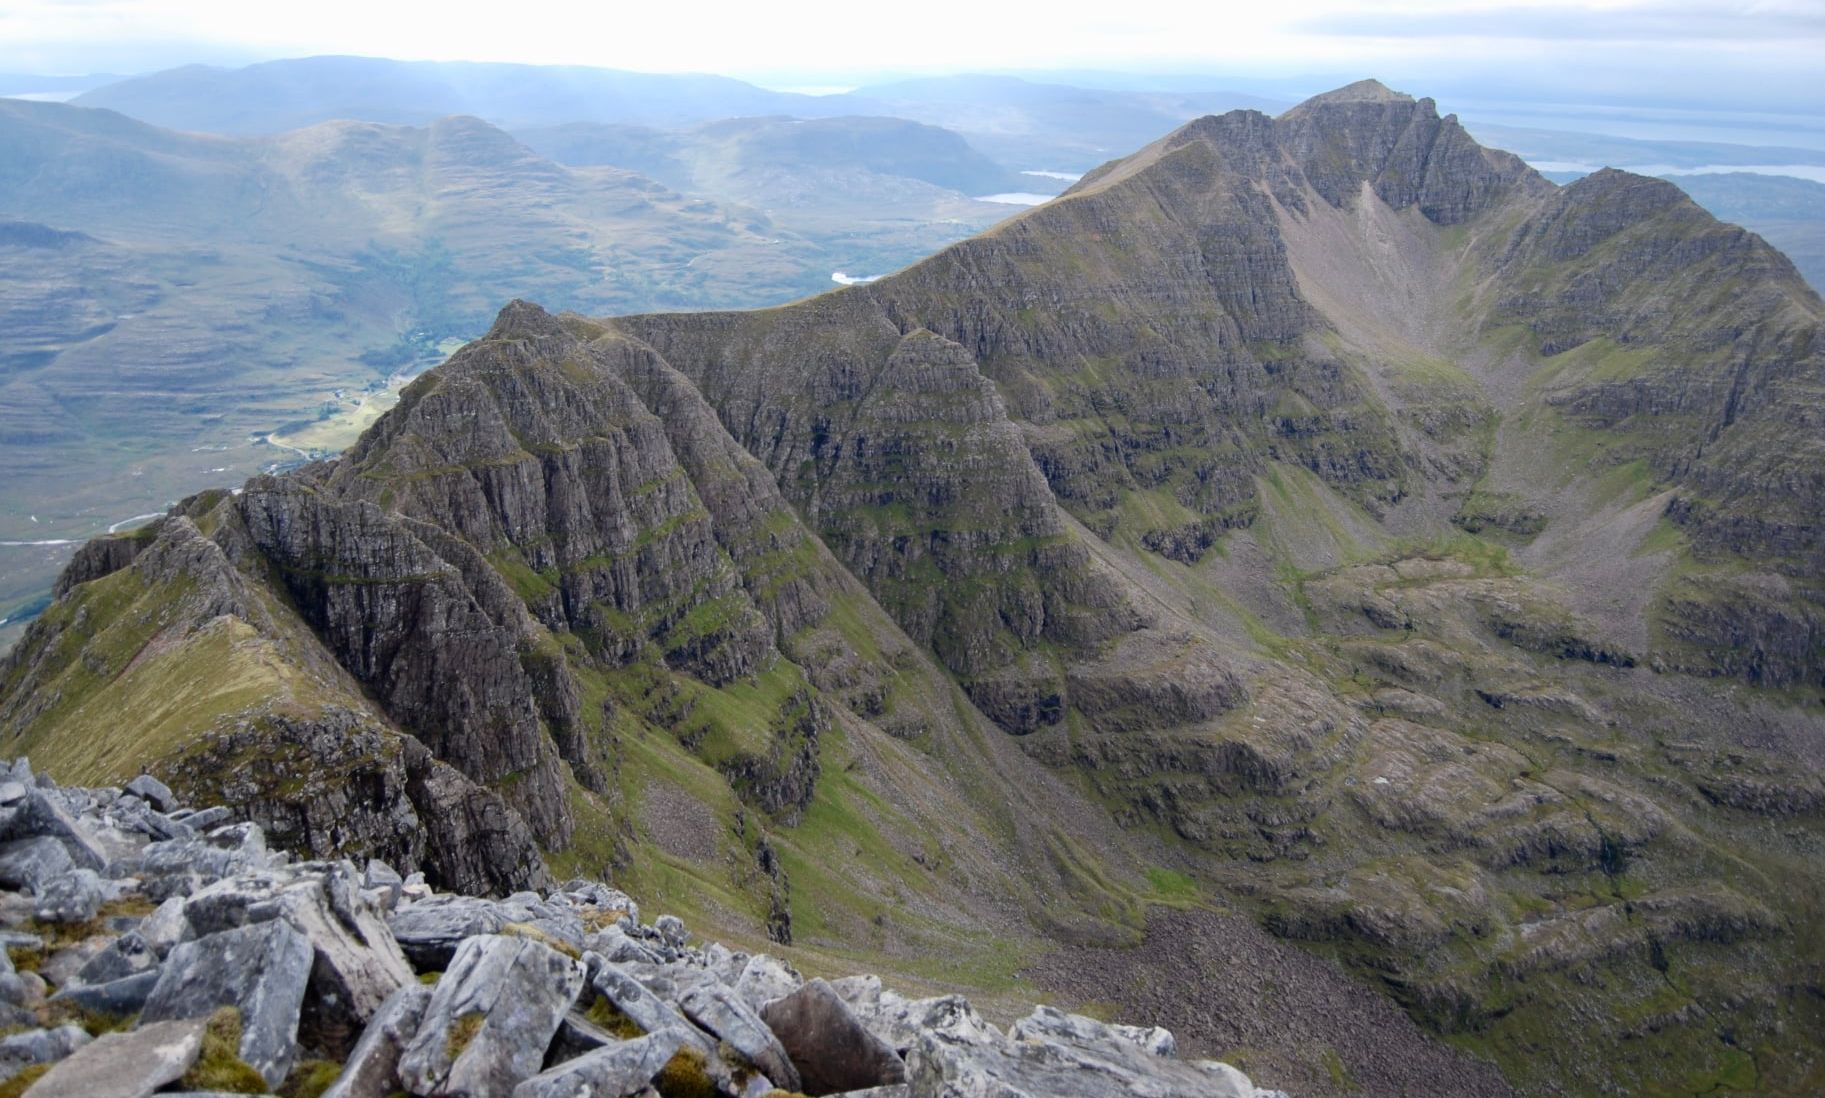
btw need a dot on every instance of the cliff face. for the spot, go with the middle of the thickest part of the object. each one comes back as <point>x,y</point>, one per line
<point>239,700</point>
<point>1326,505</point>
<point>1693,347</point>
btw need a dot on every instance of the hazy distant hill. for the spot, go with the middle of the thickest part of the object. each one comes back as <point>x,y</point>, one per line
<point>887,189</point>
<point>1039,125</point>
<point>284,95</point>
<point>1789,213</point>
<point>165,296</point>
<point>701,157</point>
<point>1596,149</point>
<point>1019,123</point>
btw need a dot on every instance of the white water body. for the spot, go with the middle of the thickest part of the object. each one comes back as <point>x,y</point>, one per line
<point>1068,177</point>
<point>1016,198</point>
<point>27,544</point>
<point>852,280</point>
<point>1814,172</point>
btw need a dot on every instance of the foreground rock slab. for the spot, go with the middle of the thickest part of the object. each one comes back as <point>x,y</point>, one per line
<point>833,1051</point>
<point>490,1019</point>
<point>261,970</point>
<point>125,1065</point>
<point>609,1072</point>
<point>721,1012</point>
<point>372,1069</point>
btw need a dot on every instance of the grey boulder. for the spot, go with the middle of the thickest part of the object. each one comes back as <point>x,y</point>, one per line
<point>119,998</point>
<point>613,943</point>
<point>1069,1061</point>
<point>165,927</point>
<point>355,965</point>
<point>128,955</point>
<point>74,897</point>
<point>899,1021</point>
<point>490,1018</point>
<point>133,1064</point>
<point>261,970</point>
<point>612,1071</point>
<point>381,878</point>
<point>829,1046</point>
<point>722,1013</point>
<point>39,1046</point>
<point>430,931</point>
<point>27,865</point>
<point>642,1006</point>
<point>372,1069</point>
<point>207,818</point>
<point>61,967</point>
<point>764,979</point>
<point>1051,1023</point>
<point>43,812</point>
<point>154,792</point>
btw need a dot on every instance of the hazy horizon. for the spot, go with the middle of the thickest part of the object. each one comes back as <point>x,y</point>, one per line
<point>1672,53</point>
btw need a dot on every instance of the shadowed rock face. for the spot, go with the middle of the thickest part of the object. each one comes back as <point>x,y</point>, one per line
<point>405,623</point>
<point>1345,510</point>
<point>1146,335</point>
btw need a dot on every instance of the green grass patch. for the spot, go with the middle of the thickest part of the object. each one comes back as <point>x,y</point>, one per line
<point>219,1066</point>
<point>1172,887</point>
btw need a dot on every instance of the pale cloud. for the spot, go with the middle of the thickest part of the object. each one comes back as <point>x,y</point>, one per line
<point>835,40</point>
<point>1656,21</point>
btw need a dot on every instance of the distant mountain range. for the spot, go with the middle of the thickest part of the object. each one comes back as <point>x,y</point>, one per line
<point>315,263</point>
<point>1053,125</point>
<point>167,296</point>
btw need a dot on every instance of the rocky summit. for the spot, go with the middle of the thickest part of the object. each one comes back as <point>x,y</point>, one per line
<point>159,949</point>
<point>1314,560</point>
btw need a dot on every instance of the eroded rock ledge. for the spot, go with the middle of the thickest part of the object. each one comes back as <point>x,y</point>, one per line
<point>156,949</point>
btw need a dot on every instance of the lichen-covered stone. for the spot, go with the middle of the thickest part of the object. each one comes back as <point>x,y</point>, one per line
<point>490,1018</point>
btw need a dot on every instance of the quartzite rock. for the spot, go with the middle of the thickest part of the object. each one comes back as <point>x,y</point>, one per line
<point>128,955</point>
<point>725,1016</point>
<point>764,979</point>
<point>73,897</point>
<point>126,1065</point>
<point>608,1072</point>
<point>39,1046</point>
<point>829,1046</point>
<point>372,1068</point>
<point>490,1018</point>
<point>29,864</point>
<point>631,997</point>
<point>261,969</point>
<point>356,962</point>
<point>1049,1023</point>
<point>153,792</point>
<point>42,813</point>
<point>118,998</point>
<point>430,931</point>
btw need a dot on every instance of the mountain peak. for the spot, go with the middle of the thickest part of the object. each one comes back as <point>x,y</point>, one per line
<point>1363,91</point>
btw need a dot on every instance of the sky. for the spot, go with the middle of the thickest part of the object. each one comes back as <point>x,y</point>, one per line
<point>1734,53</point>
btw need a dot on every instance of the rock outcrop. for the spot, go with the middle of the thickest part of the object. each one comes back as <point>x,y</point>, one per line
<point>257,947</point>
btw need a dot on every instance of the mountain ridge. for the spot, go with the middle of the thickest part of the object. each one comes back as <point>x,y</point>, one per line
<point>1151,527</point>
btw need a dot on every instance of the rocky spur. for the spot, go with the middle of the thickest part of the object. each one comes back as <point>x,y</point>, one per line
<point>158,949</point>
